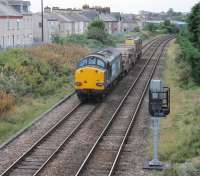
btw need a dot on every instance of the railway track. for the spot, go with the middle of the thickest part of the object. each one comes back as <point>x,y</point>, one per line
<point>51,142</point>
<point>46,148</point>
<point>64,100</point>
<point>104,155</point>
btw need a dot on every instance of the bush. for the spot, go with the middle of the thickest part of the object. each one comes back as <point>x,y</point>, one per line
<point>6,102</point>
<point>77,38</point>
<point>193,25</point>
<point>151,27</point>
<point>190,58</point>
<point>97,31</point>
<point>136,29</point>
<point>38,71</point>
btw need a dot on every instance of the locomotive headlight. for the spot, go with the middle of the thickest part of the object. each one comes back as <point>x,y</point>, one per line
<point>78,83</point>
<point>100,84</point>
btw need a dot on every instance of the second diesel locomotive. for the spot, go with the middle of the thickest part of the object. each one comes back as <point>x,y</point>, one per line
<point>97,73</point>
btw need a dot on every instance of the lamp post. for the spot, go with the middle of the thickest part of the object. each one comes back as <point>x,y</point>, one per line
<point>42,14</point>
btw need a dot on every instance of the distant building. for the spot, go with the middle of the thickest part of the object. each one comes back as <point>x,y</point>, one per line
<point>91,14</point>
<point>16,28</point>
<point>128,23</point>
<point>80,22</point>
<point>23,7</point>
<point>180,24</point>
<point>110,21</point>
<point>20,6</point>
<point>69,10</point>
<point>62,24</point>
<point>118,16</point>
<point>51,27</point>
<point>11,26</point>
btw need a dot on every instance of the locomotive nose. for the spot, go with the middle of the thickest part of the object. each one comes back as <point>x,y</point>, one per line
<point>89,78</point>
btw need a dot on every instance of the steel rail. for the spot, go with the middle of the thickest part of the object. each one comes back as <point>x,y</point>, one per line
<point>47,112</point>
<point>9,169</point>
<point>37,120</point>
<point>137,110</point>
<point>116,112</point>
<point>65,141</point>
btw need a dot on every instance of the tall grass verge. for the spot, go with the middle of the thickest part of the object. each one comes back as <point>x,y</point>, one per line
<point>180,139</point>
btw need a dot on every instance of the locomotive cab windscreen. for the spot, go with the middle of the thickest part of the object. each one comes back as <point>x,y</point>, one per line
<point>90,74</point>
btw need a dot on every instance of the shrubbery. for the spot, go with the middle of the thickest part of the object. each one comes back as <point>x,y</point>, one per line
<point>97,31</point>
<point>189,40</point>
<point>165,27</point>
<point>188,60</point>
<point>22,75</point>
<point>6,101</point>
<point>96,37</point>
<point>38,71</point>
<point>194,26</point>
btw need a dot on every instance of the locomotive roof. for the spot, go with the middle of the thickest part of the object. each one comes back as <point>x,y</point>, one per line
<point>108,55</point>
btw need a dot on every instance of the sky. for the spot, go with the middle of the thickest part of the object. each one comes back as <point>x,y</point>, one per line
<point>126,6</point>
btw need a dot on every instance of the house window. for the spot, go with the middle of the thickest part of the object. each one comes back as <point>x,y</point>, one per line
<point>17,25</point>
<point>8,25</point>
<point>25,8</point>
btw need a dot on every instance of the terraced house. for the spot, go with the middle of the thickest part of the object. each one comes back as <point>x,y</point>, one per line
<point>15,24</point>
<point>23,7</point>
<point>59,22</point>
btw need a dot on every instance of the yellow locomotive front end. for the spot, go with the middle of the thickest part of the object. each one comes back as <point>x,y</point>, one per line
<point>129,41</point>
<point>90,79</point>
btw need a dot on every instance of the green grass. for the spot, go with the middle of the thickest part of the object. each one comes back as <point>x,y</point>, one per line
<point>92,43</point>
<point>26,111</point>
<point>96,45</point>
<point>180,134</point>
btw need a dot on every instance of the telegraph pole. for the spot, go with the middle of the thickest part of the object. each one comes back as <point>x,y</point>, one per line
<point>42,14</point>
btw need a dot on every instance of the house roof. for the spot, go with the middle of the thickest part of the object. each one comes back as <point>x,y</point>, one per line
<point>107,17</point>
<point>128,18</point>
<point>63,19</point>
<point>6,10</point>
<point>76,17</point>
<point>90,14</point>
<point>50,16</point>
<point>17,2</point>
<point>117,15</point>
<point>54,17</point>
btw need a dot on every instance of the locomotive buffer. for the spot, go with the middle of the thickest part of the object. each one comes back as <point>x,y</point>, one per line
<point>159,107</point>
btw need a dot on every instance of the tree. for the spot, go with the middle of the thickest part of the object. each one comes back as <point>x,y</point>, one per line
<point>97,30</point>
<point>194,25</point>
<point>171,12</point>
<point>151,27</point>
<point>167,23</point>
<point>137,29</point>
<point>86,6</point>
<point>169,27</point>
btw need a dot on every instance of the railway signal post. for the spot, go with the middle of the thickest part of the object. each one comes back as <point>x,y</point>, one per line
<point>159,107</point>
